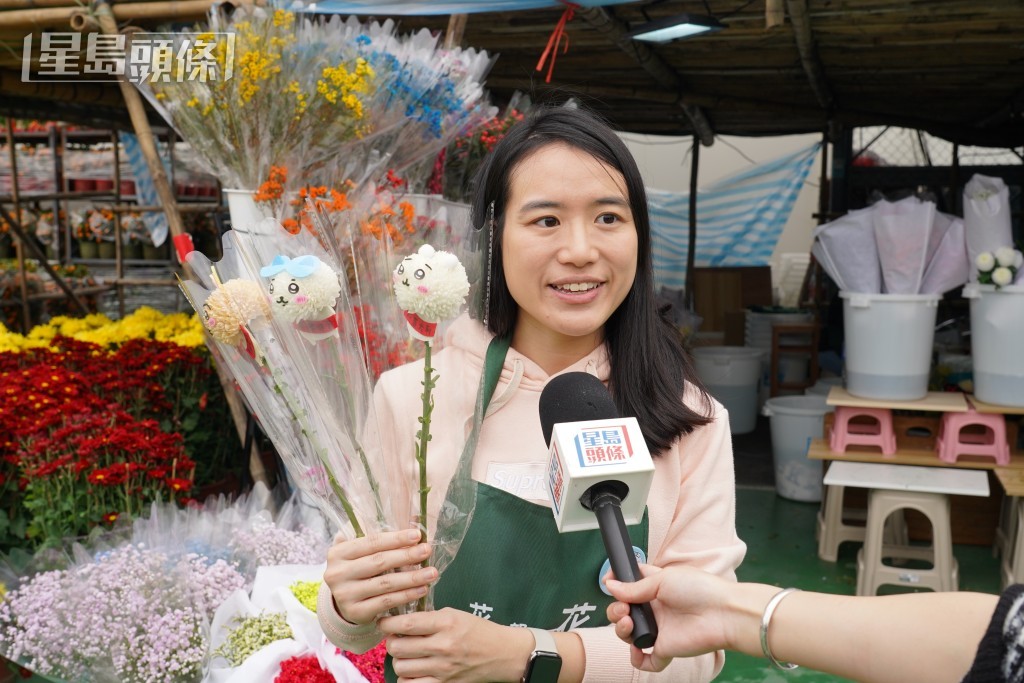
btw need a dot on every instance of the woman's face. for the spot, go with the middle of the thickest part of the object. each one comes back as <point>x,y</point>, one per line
<point>569,247</point>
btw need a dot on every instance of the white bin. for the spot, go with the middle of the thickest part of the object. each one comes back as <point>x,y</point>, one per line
<point>997,331</point>
<point>888,339</point>
<point>795,421</point>
<point>732,374</point>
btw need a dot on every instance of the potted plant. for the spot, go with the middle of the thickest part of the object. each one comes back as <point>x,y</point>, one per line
<point>6,242</point>
<point>88,245</point>
<point>101,223</point>
<point>134,234</point>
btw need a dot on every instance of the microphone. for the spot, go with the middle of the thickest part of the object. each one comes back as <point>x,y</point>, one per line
<point>599,475</point>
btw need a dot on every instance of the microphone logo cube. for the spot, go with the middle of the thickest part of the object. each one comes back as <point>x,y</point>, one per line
<point>603,446</point>
<point>586,453</point>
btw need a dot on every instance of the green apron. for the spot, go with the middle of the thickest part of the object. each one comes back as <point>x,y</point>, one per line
<point>515,568</point>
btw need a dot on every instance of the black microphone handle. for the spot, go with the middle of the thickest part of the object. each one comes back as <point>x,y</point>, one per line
<point>607,507</point>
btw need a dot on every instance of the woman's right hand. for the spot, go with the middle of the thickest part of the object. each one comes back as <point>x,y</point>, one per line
<point>364,578</point>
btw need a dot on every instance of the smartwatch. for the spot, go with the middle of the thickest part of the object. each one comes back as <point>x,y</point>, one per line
<point>545,663</point>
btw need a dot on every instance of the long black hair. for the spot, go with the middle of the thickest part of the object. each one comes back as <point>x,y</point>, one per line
<point>649,366</point>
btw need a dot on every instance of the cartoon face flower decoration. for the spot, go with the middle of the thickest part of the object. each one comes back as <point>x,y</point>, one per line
<point>430,287</point>
<point>232,306</point>
<point>303,291</point>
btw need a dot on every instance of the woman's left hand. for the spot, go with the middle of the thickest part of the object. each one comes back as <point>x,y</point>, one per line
<point>449,645</point>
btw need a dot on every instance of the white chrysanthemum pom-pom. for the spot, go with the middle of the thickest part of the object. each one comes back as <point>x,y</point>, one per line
<point>1002,276</point>
<point>1006,256</point>
<point>985,261</point>
<point>234,303</point>
<point>431,284</point>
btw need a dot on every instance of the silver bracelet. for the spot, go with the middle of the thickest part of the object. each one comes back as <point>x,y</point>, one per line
<point>766,619</point>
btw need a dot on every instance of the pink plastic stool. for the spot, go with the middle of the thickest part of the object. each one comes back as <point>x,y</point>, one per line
<point>954,442</point>
<point>845,432</point>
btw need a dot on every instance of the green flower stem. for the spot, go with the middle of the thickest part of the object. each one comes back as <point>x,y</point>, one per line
<point>300,415</point>
<point>372,480</point>
<point>429,382</point>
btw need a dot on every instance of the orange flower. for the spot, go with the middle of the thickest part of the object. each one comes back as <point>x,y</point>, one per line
<point>273,188</point>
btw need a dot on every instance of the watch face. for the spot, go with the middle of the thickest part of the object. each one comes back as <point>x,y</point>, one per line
<point>544,668</point>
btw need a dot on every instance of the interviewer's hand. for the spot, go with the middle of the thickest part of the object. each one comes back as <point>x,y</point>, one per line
<point>689,606</point>
<point>363,573</point>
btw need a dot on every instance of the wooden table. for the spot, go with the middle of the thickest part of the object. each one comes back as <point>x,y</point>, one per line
<point>983,407</point>
<point>934,401</point>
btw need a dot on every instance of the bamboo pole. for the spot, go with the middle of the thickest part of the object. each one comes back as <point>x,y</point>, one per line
<point>162,9</point>
<point>7,5</point>
<point>25,242</point>
<point>456,28</point>
<point>774,14</point>
<point>140,122</point>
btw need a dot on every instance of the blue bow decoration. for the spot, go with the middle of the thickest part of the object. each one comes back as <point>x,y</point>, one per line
<point>301,266</point>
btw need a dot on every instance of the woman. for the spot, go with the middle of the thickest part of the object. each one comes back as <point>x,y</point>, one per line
<point>569,286</point>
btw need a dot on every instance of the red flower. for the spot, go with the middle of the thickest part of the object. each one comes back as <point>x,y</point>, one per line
<point>303,669</point>
<point>370,664</point>
<point>179,484</point>
<point>111,517</point>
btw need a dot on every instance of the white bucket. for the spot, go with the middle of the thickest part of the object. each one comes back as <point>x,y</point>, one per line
<point>246,215</point>
<point>889,344</point>
<point>795,421</point>
<point>731,374</point>
<point>997,328</point>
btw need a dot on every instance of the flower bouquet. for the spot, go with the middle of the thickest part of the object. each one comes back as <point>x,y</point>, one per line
<point>1000,268</point>
<point>286,324</point>
<point>324,98</point>
<point>136,604</point>
<point>456,165</point>
<point>274,322</point>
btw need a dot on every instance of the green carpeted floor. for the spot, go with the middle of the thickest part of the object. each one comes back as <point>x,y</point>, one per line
<point>782,550</point>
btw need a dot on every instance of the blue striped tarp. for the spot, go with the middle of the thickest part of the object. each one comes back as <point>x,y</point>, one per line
<point>739,218</point>
<point>145,190</point>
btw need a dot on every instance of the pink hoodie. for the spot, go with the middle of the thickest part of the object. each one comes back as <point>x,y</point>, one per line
<point>692,504</point>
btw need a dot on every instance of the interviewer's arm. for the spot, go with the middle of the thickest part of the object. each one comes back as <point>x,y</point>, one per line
<point>917,636</point>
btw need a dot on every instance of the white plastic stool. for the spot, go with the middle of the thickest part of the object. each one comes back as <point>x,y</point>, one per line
<point>872,572</point>
<point>833,531</point>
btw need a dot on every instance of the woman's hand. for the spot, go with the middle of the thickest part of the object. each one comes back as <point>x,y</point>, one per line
<point>450,645</point>
<point>690,607</point>
<point>363,573</point>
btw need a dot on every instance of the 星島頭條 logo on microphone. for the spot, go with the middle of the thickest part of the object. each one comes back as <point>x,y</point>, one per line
<point>604,445</point>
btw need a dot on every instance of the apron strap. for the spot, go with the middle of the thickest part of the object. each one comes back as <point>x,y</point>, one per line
<point>460,500</point>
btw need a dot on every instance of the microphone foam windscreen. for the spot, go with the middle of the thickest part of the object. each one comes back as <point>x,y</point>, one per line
<point>574,397</point>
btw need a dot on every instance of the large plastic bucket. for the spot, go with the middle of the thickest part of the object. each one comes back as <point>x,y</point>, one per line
<point>889,344</point>
<point>795,421</point>
<point>732,375</point>
<point>997,336</point>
